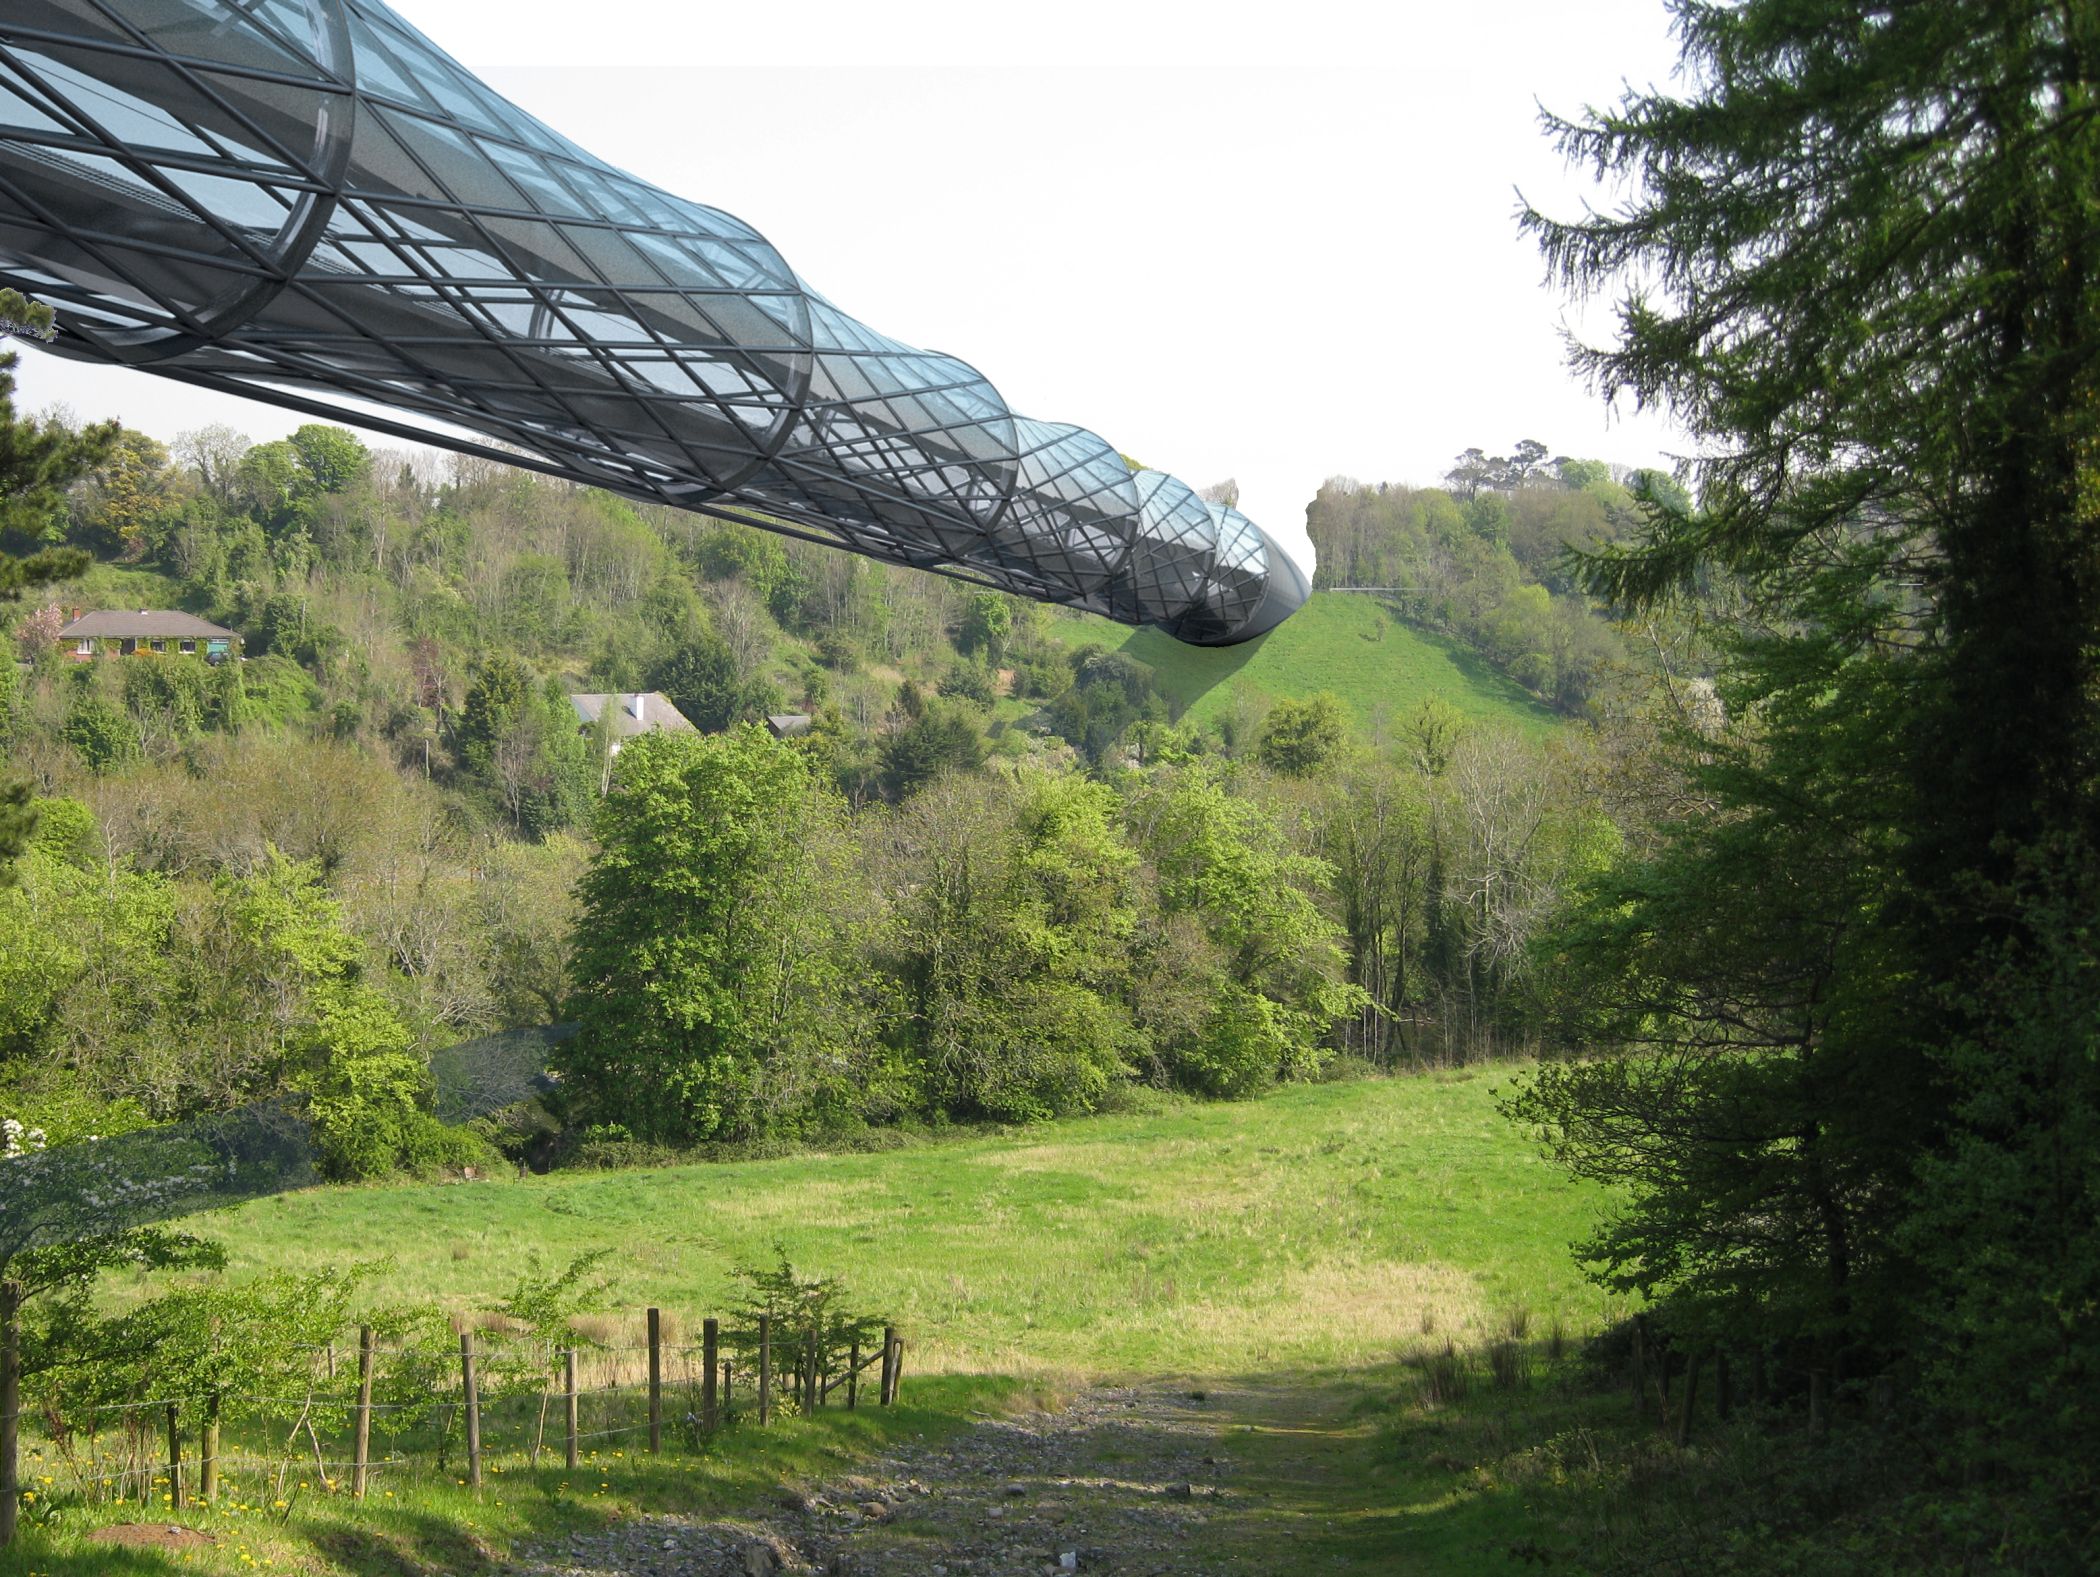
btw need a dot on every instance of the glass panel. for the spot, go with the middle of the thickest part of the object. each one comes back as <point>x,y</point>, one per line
<point>472,269</point>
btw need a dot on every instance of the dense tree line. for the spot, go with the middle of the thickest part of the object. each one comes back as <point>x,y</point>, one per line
<point>998,878</point>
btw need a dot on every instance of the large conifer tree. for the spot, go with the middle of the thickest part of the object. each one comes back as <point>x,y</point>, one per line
<point>1859,262</point>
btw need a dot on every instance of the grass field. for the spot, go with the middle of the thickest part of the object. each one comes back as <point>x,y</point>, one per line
<point>1339,642</point>
<point>1295,1255</point>
<point>1328,1225</point>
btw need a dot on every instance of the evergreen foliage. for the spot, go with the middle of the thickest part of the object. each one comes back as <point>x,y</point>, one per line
<point>1864,248</point>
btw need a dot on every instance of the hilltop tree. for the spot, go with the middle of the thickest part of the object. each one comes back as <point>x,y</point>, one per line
<point>332,458</point>
<point>1864,249</point>
<point>124,504</point>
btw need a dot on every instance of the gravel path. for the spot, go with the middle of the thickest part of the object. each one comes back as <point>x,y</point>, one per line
<point>1122,1481</point>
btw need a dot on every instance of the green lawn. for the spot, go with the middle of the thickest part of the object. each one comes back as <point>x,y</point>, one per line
<point>1338,641</point>
<point>1327,1225</point>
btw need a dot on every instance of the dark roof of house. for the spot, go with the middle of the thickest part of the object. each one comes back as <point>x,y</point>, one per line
<point>786,725</point>
<point>146,624</point>
<point>657,712</point>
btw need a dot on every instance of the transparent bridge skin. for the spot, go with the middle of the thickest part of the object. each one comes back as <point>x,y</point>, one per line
<point>306,201</point>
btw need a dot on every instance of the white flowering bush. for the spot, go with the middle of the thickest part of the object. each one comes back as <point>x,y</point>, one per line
<point>17,1141</point>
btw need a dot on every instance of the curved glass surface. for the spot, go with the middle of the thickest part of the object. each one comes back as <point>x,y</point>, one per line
<point>306,201</point>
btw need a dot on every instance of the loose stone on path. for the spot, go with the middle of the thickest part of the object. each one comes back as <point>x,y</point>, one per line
<point>1117,1482</point>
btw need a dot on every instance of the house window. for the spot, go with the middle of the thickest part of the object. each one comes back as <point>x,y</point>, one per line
<point>215,648</point>
<point>84,647</point>
<point>188,647</point>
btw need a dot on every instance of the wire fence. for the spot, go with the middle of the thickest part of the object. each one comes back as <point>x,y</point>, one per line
<point>365,1412</point>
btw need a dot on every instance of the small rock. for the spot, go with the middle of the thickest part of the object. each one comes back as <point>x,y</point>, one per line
<point>762,1558</point>
<point>1017,1489</point>
<point>1068,1561</point>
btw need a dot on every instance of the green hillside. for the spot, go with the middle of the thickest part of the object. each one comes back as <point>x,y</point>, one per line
<point>1339,641</point>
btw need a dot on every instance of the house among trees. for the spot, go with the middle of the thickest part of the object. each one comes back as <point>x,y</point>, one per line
<point>633,714</point>
<point>788,725</point>
<point>115,633</point>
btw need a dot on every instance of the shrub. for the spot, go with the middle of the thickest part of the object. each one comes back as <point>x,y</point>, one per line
<point>101,735</point>
<point>971,681</point>
<point>1239,1050</point>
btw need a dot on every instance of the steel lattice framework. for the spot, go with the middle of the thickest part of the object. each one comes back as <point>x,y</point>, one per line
<point>307,201</point>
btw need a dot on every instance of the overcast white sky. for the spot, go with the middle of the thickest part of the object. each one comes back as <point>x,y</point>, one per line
<point>1275,243</point>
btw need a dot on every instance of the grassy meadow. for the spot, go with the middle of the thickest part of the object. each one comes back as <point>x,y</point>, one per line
<point>1326,1226</point>
<point>1302,1260</point>
<point>1340,642</point>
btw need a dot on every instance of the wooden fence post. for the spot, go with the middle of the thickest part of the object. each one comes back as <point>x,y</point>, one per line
<point>174,1456</point>
<point>471,1390</point>
<point>897,1373</point>
<point>1691,1398</point>
<point>568,1406</point>
<point>813,1386</point>
<point>10,1407</point>
<point>361,1439</point>
<point>853,1377</point>
<point>889,1361</point>
<point>728,1390</point>
<point>710,1348</point>
<point>1640,1368</point>
<point>765,1369</point>
<point>656,1380</point>
<point>208,1450</point>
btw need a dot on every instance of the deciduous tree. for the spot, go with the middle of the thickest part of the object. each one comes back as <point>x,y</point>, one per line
<point>709,976</point>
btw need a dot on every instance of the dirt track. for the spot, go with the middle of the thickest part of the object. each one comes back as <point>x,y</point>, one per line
<point>1123,1480</point>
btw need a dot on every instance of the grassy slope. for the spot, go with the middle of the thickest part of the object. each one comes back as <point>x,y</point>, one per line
<point>1290,1253</point>
<point>1323,1226</point>
<point>1340,642</point>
